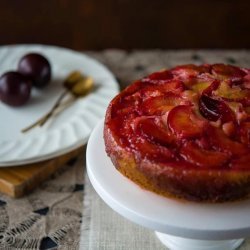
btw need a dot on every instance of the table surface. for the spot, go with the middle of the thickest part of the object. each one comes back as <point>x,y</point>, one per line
<point>65,212</point>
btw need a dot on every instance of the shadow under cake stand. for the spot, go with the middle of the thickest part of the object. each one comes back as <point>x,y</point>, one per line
<point>179,225</point>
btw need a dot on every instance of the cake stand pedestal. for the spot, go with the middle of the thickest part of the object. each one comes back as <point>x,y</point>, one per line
<point>178,224</point>
<point>181,243</point>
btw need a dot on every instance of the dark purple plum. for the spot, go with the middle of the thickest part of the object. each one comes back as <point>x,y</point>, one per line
<point>209,108</point>
<point>213,109</point>
<point>15,88</point>
<point>37,68</point>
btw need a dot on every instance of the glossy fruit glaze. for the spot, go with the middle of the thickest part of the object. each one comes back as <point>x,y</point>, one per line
<point>189,117</point>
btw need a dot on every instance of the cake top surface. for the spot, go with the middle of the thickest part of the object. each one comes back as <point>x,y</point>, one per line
<point>189,116</point>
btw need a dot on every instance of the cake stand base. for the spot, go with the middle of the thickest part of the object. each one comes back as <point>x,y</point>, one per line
<point>179,225</point>
<point>179,243</point>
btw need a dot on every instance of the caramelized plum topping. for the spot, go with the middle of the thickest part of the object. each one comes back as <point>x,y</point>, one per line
<point>159,76</point>
<point>246,81</point>
<point>187,72</point>
<point>175,87</point>
<point>223,71</point>
<point>154,130</point>
<point>211,88</point>
<point>188,114</point>
<point>213,109</point>
<point>242,162</point>
<point>195,155</point>
<point>223,143</point>
<point>232,93</point>
<point>245,133</point>
<point>186,130</point>
<point>184,123</point>
<point>200,86</point>
<point>209,108</point>
<point>161,104</point>
<point>145,149</point>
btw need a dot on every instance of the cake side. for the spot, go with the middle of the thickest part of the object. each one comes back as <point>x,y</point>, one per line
<point>193,184</point>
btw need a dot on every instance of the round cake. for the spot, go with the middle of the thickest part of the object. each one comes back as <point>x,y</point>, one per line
<point>184,132</point>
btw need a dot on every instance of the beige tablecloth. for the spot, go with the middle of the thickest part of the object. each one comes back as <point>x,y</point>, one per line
<point>65,212</point>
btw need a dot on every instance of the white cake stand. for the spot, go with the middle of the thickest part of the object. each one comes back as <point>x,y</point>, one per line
<point>179,225</point>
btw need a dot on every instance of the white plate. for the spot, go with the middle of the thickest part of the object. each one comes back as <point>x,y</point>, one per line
<point>69,129</point>
<point>184,219</point>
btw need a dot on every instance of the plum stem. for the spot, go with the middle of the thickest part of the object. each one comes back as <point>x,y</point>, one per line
<point>44,118</point>
<point>78,88</point>
<point>56,105</point>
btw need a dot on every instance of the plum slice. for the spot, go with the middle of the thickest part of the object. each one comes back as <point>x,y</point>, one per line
<point>246,80</point>
<point>154,130</point>
<point>152,90</point>
<point>245,133</point>
<point>233,93</point>
<point>159,105</point>
<point>223,71</point>
<point>151,139</point>
<point>223,143</point>
<point>191,74</point>
<point>159,76</point>
<point>202,157</point>
<point>148,150</point>
<point>242,162</point>
<point>184,123</point>
<point>190,70</point>
<point>213,109</point>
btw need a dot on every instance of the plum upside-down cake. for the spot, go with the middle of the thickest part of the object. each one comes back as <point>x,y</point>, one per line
<point>184,132</point>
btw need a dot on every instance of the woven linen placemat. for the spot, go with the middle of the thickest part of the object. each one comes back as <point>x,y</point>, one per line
<point>48,218</point>
<point>102,228</point>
